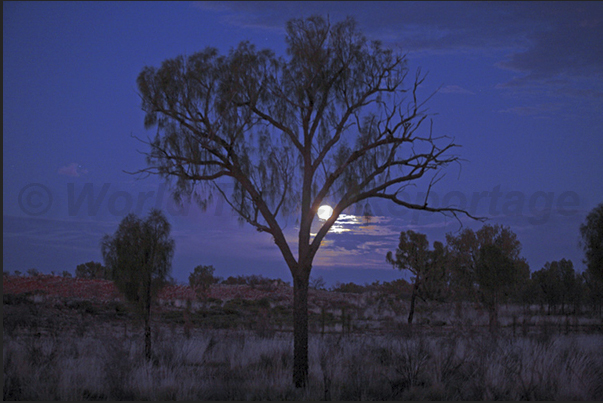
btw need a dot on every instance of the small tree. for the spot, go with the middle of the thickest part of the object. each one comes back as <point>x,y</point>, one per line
<point>317,283</point>
<point>495,274</point>
<point>426,265</point>
<point>557,284</point>
<point>33,272</point>
<point>201,279</point>
<point>139,254</point>
<point>486,265</point>
<point>92,270</point>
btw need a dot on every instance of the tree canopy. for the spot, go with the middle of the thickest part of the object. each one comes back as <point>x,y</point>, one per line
<point>139,256</point>
<point>427,266</point>
<point>487,265</point>
<point>92,270</point>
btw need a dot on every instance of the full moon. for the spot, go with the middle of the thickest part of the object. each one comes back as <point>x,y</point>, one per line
<point>324,212</point>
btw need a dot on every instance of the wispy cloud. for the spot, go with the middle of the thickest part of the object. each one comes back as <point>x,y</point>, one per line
<point>455,89</point>
<point>580,92</point>
<point>543,41</point>
<point>74,170</point>
<point>531,110</point>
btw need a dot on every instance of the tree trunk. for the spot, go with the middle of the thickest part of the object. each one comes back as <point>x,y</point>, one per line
<point>300,331</point>
<point>493,318</point>
<point>147,320</point>
<point>493,314</point>
<point>413,297</point>
<point>147,337</point>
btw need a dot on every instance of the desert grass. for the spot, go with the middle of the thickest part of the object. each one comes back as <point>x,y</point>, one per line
<point>238,365</point>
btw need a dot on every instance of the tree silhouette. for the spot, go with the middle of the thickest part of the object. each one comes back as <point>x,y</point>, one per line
<point>335,121</point>
<point>427,266</point>
<point>495,273</point>
<point>201,279</point>
<point>557,283</point>
<point>92,270</point>
<point>487,265</point>
<point>591,232</point>
<point>592,241</point>
<point>139,255</point>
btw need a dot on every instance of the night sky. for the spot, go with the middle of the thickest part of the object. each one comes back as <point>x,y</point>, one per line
<point>520,89</point>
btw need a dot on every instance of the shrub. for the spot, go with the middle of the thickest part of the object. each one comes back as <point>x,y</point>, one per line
<point>92,270</point>
<point>33,272</point>
<point>202,278</point>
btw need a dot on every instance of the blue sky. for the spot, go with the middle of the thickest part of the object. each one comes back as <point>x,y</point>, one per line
<point>520,89</point>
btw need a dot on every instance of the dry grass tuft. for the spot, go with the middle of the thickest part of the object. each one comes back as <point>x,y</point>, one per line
<point>221,365</point>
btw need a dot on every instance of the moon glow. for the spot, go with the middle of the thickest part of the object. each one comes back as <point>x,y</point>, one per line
<point>324,212</point>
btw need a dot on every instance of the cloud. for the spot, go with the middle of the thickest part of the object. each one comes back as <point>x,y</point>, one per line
<point>415,26</point>
<point>543,41</point>
<point>580,92</point>
<point>531,110</point>
<point>455,89</point>
<point>569,47</point>
<point>562,54</point>
<point>74,169</point>
<point>63,236</point>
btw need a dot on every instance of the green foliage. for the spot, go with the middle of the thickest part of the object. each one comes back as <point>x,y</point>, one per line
<point>92,270</point>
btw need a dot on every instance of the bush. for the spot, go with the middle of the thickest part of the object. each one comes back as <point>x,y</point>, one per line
<point>83,306</point>
<point>16,299</point>
<point>202,278</point>
<point>92,270</point>
<point>33,272</point>
<point>348,288</point>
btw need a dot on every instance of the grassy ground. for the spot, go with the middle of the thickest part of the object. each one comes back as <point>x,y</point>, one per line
<point>100,364</point>
<point>238,349</point>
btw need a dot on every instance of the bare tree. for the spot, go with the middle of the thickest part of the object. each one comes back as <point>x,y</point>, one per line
<point>335,121</point>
